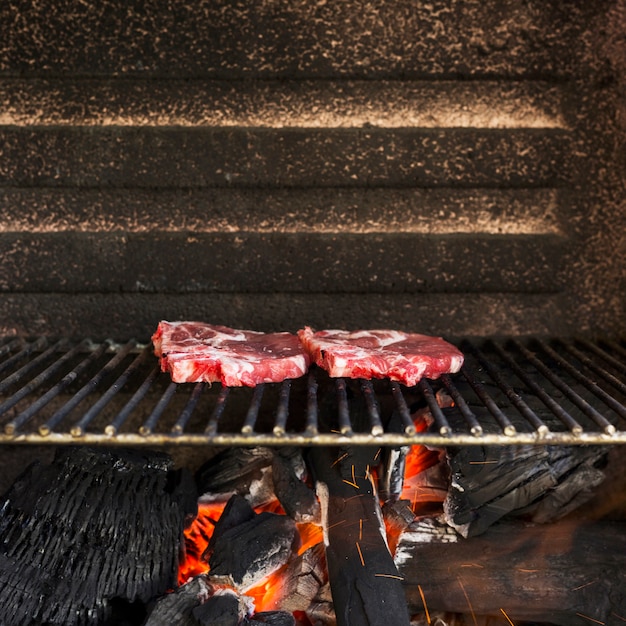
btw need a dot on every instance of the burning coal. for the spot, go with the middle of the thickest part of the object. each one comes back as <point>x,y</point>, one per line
<point>335,512</point>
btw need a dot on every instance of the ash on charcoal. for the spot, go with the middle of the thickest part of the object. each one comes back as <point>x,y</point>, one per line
<point>176,607</point>
<point>271,618</point>
<point>201,601</point>
<point>220,610</point>
<point>249,546</point>
<point>260,474</point>
<point>302,579</point>
<point>321,610</point>
<point>542,483</point>
<point>242,471</point>
<point>398,515</point>
<point>94,530</point>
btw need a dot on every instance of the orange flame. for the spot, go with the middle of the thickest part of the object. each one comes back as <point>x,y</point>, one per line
<point>310,535</point>
<point>267,594</point>
<point>418,459</point>
<point>197,538</point>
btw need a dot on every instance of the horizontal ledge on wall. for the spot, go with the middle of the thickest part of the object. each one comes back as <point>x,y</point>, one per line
<point>285,38</point>
<point>270,158</point>
<point>338,210</point>
<point>122,316</point>
<point>283,104</point>
<point>278,262</point>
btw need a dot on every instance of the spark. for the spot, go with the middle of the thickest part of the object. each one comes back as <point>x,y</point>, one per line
<point>353,477</point>
<point>592,582</point>
<point>591,619</point>
<point>619,617</point>
<point>360,529</point>
<point>424,603</point>
<point>358,547</point>
<point>482,462</point>
<point>377,454</point>
<point>508,619</point>
<point>469,604</point>
<point>338,460</point>
<point>389,576</point>
<point>351,484</point>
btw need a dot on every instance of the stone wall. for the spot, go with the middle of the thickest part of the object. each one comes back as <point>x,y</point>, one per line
<point>451,168</point>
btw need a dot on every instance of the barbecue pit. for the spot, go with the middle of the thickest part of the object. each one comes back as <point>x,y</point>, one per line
<point>446,168</point>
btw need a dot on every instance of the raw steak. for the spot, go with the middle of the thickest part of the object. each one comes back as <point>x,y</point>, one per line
<point>403,357</point>
<point>197,352</point>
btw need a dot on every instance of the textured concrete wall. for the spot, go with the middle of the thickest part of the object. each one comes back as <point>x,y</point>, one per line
<point>446,167</point>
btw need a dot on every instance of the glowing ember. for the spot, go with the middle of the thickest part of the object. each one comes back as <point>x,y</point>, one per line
<point>310,535</point>
<point>268,594</point>
<point>197,538</point>
<point>418,459</point>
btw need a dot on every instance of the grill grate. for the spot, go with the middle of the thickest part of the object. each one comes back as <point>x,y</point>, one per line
<point>510,391</point>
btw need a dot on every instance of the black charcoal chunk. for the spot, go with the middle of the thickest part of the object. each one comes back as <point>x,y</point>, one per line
<point>220,610</point>
<point>94,530</point>
<point>248,548</point>
<point>295,496</point>
<point>271,618</point>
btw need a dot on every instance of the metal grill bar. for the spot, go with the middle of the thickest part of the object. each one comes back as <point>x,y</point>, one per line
<point>514,398</point>
<point>617,384</point>
<point>312,428</point>
<point>132,404</point>
<point>403,409</point>
<point>40,379</point>
<point>538,390</point>
<point>376,425</point>
<point>440,419</point>
<point>22,354</point>
<point>187,412</point>
<point>220,405</point>
<point>494,409</point>
<point>472,421</point>
<point>582,404</point>
<point>283,408</point>
<point>253,411</point>
<point>595,389</point>
<point>90,386</point>
<point>30,366</point>
<point>7,348</point>
<point>79,429</point>
<point>148,427</point>
<point>513,391</point>
<point>345,424</point>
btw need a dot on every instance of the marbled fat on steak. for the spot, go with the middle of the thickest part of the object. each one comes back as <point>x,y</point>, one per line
<point>399,356</point>
<point>197,352</point>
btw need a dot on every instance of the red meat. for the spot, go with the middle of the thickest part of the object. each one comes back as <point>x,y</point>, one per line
<point>197,352</point>
<point>403,357</point>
